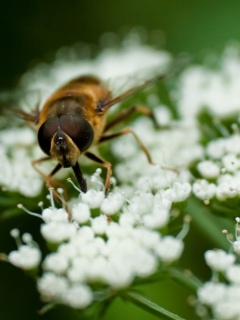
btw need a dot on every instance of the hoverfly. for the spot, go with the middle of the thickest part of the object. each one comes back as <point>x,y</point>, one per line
<point>73,119</point>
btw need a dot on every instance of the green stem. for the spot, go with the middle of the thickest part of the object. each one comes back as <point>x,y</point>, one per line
<point>185,278</point>
<point>150,306</point>
<point>207,223</point>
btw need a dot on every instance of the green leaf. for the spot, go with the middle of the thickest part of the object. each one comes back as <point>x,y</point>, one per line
<point>150,306</point>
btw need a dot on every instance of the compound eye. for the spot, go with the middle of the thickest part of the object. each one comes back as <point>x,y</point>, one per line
<point>46,133</point>
<point>78,129</point>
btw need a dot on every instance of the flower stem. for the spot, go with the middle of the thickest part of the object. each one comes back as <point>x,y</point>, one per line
<point>208,224</point>
<point>150,306</point>
<point>185,278</point>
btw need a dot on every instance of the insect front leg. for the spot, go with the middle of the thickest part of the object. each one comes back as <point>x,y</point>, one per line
<point>48,178</point>
<point>125,115</point>
<point>105,164</point>
<point>124,132</point>
<point>142,146</point>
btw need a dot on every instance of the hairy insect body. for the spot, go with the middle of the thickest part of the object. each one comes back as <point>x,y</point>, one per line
<point>73,119</point>
<point>82,97</point>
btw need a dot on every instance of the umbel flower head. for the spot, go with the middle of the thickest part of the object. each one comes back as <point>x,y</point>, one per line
<point>101,246</point>
<point>107,245</point>
<point>221,294</point>
<point>104,244</point>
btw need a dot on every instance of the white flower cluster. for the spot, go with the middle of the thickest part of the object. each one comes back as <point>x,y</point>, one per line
<point>220,170</point>
<point>17,149</point>
<point>221,295</point>
<point>28,255</point>
<point>216,88</point>
<point>107,243</point>
<point>110,241</point>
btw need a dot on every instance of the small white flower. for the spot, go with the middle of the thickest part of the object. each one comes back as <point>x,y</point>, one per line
<point>56,232</point>
<point>96,269</point>
<point>99,224</point>
<point>169,249</point>
<point>127,219</point>
<point>146,238</point>
<point>78,296</point>
<point>178,193</point>
<point>158,219</point>
<point>119,273</point>
<point>226,190</point>
<point>236,246</point>
<point>233,293</point>
<point>146,184</point>
<point>208,169</point>
<point>52,286</point>
<point>115,231</point>
<point>141,203</point>
<point>27,238</point>
<point>55,262</point>
<point>145,263</point>
<point>211,293</point>
<point>204,190</point>
<point>227,310</point>
<point>230,162</point>
<point>236,243</point>
<point>85,233</point>
<point>219,260</point>
<point>162,179</point>
<point>93,198</point>
<point>26,257</point>
<point>78,270</point>
<point>68,250</point>
<point>112,204</point>
<point>52,214</point>
<point>160,201</point>
<point>216,148</point>
<point>81,212</point>
<point>233,274</point>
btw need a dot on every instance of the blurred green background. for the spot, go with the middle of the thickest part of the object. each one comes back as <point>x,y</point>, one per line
<point>31,31</point>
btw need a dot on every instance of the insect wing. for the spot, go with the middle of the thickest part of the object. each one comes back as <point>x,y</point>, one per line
<point>124,87</point>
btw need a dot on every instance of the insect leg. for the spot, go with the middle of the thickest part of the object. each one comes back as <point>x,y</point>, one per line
<point>49,182</point>
<point>35,162</point>
<point>127,131</point>
<point>48,177</point>
<point>103,163</point>
<point>79,176</point>
<point>55,170</point>
<point>128,112</point>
